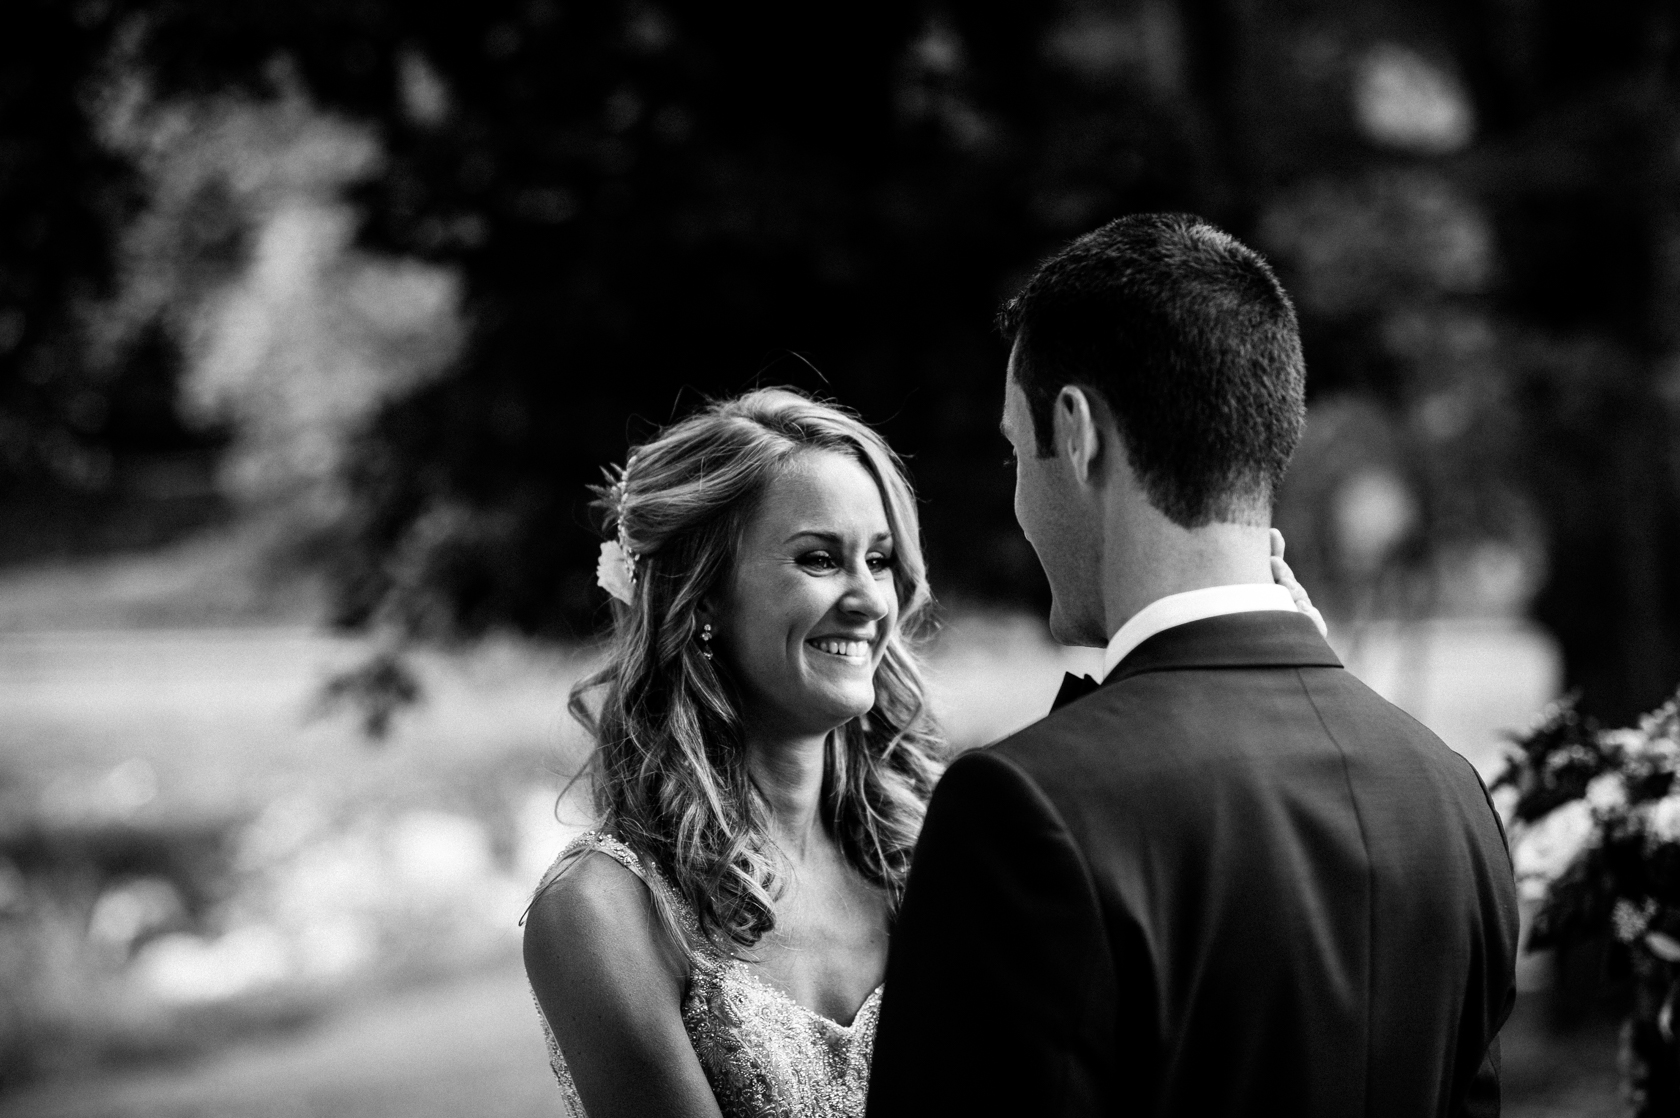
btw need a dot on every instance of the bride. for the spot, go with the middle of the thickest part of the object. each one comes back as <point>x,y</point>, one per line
<point>765,753</point>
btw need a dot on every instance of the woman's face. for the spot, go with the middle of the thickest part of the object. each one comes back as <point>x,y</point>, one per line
<point>805,617</point>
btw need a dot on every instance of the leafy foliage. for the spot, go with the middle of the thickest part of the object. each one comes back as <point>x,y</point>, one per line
<point>1596,840</point>
<point>1558,756</point>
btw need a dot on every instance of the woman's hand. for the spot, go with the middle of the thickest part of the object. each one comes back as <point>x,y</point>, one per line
<point>1284,577</point>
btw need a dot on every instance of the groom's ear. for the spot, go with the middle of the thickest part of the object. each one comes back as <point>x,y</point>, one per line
<point>1079,432</point>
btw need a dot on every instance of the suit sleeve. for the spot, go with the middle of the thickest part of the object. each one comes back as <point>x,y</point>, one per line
<point>1482,1099</point>
<point>1499,904</point>
<point>999,993</point>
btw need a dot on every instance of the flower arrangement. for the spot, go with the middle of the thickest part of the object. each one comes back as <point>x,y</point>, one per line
<point>1595,842</point>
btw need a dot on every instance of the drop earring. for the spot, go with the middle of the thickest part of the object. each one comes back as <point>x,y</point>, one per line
<point>706,640</point>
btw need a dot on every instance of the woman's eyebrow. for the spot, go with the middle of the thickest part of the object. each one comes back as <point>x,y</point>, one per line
<point>834,537</point>
<point>815,533</point>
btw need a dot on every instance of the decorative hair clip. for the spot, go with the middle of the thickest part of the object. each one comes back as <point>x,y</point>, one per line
<point>615,570</point>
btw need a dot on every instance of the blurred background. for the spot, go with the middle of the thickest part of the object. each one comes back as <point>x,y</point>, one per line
<point>318,316</point>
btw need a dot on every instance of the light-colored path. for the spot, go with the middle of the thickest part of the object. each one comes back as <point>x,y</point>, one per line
<point>466,1048</point>
<point>473,1047</point>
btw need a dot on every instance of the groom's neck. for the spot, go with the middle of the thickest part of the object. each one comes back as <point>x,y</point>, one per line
<point>1146,557</point>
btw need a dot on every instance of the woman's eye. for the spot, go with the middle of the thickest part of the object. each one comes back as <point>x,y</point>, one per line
<point>821,560</point>
<point>879,562</point>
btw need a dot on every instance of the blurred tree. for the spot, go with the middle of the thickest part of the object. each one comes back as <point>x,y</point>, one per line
<point>650,204</point>
<point>243,251</point>
<point>69,420</point>
<point>1475,205</point>
<point>1581,167</point>
<point>1495,257</point>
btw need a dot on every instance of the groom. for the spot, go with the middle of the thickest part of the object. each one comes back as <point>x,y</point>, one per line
<point>1230,879</point>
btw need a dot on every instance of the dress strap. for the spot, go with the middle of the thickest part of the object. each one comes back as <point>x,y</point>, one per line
<point>585,843</point>
<point>675,910</point>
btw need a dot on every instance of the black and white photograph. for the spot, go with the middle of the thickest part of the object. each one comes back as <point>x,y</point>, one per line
<point>639,559</point>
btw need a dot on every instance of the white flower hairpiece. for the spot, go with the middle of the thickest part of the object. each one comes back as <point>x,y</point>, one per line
<point>615,570</point>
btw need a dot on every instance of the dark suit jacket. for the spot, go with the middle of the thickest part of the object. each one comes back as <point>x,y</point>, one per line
<point>1231,881</point>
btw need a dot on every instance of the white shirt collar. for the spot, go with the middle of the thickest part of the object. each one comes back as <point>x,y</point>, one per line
<point>1192,605</point>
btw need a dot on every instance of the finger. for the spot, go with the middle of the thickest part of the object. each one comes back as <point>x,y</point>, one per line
<point>1302,601</point>
<point>1285,577</point>
<point>1277,544</point>
<point>1298,594</point>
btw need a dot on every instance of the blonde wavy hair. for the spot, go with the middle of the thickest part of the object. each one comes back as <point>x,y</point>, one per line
<point>669,771</point>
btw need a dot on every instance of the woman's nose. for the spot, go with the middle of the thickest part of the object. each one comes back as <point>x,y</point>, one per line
<point>867,596</point>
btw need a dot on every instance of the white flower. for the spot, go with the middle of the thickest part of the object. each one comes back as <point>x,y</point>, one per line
<point>1630,920</point>
<point>615,572</point>
<point>1623,740</point>
<point>1665,818</point>
<point>1654,750</point>
<point>1664,754</point>
<point>1607,792</point>
<point>1548,846</point>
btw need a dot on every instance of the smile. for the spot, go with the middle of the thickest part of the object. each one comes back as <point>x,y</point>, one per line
<point>849,650</point>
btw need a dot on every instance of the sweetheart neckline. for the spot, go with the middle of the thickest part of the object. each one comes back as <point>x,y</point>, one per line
<point>873,995</point>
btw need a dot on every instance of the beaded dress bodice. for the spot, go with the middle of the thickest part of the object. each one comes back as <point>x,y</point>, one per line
<point>764,1054</point>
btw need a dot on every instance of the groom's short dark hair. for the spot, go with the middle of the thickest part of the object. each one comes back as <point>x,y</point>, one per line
<point>1188,337</point>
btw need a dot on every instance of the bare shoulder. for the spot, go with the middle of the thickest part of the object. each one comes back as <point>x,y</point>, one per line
<point>610,979</point>
<point>597,920</point>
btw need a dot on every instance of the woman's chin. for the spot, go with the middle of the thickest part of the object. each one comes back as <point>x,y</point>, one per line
<point>840,706</point>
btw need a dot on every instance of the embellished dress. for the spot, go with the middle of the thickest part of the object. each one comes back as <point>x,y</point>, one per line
<point>764,1054</point>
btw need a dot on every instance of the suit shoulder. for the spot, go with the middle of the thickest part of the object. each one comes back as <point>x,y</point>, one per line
<point>1067,726</point>
<point>1081,733</point>
<point>1350,711</point>
<point>991,775</point>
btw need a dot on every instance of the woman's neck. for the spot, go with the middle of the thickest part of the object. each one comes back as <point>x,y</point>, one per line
<point>790,775</point>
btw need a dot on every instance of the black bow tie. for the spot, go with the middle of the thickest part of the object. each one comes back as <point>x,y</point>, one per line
<point>1074,687</point>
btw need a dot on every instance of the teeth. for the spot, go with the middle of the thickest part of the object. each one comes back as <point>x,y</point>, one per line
<point>854,650</point>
